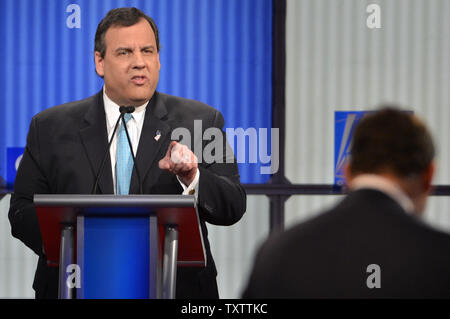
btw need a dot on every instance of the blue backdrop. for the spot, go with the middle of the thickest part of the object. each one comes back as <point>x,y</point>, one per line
<point>215,51</point>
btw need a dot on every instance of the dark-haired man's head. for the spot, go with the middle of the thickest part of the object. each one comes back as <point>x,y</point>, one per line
<point>397,145</point>
<point>123,17</point>
<point>127,55</point>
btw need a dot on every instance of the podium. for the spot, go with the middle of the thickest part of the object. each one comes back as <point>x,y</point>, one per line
<point>120,246</point>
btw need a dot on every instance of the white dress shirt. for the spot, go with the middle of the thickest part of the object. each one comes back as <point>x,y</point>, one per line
<point>134,127</point>
<point>384,185</point>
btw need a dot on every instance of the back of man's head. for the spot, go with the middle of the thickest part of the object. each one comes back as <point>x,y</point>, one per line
<point>397,145</point>
<point>391,140</point>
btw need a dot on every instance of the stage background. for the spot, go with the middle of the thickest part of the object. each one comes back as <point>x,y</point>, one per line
<point>336,63</point>
<point>217,52</point>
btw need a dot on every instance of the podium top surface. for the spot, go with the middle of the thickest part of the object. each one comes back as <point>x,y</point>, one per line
<point>83,201</point>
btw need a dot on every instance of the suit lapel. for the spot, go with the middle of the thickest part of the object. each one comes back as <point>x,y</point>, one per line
<point>149,146</point>
<point>95,140</point>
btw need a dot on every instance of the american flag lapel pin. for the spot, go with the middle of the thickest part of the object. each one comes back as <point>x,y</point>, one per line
<point>158,135</point>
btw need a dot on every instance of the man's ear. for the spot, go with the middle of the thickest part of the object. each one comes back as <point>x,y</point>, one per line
<point>99,64</point>
<point>348,174</point>
<point>427,176</point>
<point>159,63</point>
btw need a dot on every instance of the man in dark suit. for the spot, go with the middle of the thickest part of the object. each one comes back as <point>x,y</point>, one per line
<point>66,145</point>
<point>372,244</point>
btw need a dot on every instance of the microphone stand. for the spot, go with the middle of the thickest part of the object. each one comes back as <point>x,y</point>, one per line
<point>131,149</point>
<point>123,110</point>
<point>94,189</point>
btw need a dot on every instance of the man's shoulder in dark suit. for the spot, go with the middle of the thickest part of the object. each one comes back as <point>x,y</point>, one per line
<point>175,103</point>
<point>181,110</point>
<point>68,111</point>
<point>328,256</point>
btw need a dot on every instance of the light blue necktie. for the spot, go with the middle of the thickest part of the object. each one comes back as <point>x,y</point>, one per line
<point>124,164</point>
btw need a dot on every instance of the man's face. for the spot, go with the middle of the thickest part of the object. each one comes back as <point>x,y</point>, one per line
<point>131,65</point>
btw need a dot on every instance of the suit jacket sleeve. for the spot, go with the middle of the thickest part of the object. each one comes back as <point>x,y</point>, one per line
<point>222,199</point>
<point>30,180</point>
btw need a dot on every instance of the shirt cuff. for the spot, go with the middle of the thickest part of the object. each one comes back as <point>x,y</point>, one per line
<point>192,189</point>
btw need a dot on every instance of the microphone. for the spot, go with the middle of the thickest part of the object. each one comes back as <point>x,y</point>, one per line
<point>126,109</point>
<point>123,110</point>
